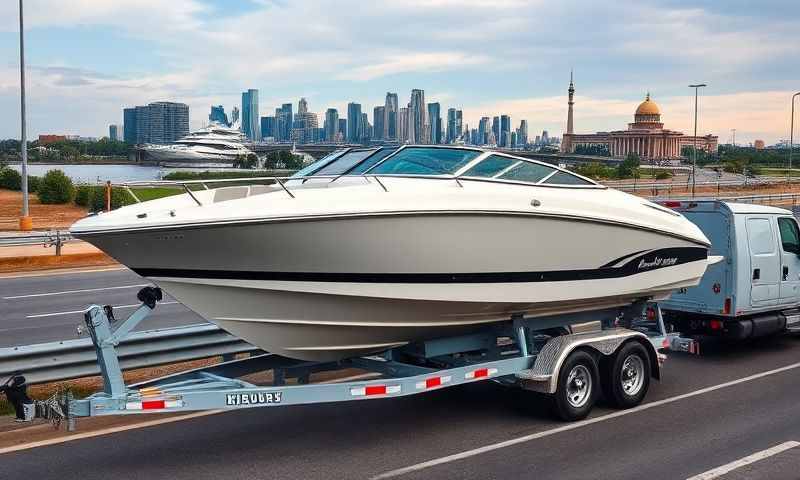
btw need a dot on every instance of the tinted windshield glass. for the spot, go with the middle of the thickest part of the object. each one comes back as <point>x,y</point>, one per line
<point>490,166</point>
<point>564,178</point>
<point>345,162</point>
<point>309,169</point>
<point>426,161</point>
<point>372,161</point>
<point>527,172</point>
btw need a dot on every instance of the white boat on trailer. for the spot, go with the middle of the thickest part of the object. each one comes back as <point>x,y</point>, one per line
<point>427,242</point>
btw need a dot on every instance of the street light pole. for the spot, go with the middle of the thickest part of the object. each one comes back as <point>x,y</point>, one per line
<point>694,139</point>
<point>791,138</point>
<point>25,221</point>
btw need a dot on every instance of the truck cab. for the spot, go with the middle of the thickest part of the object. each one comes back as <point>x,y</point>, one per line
<point>755,290</point>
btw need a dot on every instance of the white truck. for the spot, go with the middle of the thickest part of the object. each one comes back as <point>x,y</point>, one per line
<point>755,290</point>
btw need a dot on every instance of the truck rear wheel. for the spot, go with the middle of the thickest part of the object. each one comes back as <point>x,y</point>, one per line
<point>576,392</point>
<point>627,376</point>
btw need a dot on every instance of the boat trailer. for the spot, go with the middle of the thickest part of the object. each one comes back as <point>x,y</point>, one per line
<point>540,354</point>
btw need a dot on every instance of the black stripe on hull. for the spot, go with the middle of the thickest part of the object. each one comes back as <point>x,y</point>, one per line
<point>662,258</point>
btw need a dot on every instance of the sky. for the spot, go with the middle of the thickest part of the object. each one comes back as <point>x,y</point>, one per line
<point>87,59</point>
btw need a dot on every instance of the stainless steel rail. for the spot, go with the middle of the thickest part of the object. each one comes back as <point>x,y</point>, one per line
<point>67,359</point>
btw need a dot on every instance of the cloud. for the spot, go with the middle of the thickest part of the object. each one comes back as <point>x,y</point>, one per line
<point>490,57</point>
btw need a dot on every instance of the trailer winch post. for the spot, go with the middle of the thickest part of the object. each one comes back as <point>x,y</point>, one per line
<point>98,321</point>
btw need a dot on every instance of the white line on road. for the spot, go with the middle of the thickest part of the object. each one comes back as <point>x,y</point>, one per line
<point>574,426</point>
<point>66,292</point>
<point>758,456</point>
<point>116,307</point>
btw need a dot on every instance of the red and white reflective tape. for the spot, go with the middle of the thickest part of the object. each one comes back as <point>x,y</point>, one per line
<point>480,373</point>
<point>153,404</point>
<point>433,382</point>
<point>370,390</point>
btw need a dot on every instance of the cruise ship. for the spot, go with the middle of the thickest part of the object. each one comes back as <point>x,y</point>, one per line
<point>213,144</point>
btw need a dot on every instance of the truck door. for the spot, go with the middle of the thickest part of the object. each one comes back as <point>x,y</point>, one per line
<point>765,262</point>
<point>790,260</point>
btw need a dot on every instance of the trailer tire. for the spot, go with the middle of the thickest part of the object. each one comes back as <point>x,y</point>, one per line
<point>577,388</point>
<point>626,377</point>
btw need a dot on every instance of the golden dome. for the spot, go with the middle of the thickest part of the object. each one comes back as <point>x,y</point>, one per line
<point>648,107</point>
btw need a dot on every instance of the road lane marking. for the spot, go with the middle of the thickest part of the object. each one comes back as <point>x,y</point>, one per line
<point>758,456</point>
<point>106,431</point>
<point>116,307</point>
<point>66,292</point>
<point>576,425</point>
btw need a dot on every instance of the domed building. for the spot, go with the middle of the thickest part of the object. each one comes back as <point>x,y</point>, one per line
<point>646,136</point>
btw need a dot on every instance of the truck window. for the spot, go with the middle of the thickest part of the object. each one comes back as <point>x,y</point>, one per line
<point>790,236</point>
<point>759,236</point>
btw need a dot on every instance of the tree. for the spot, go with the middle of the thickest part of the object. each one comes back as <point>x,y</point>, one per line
<point>629,168</point>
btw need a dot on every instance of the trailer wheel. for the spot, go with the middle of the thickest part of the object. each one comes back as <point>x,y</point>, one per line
<point>627,376</point>
<point>578,382</point>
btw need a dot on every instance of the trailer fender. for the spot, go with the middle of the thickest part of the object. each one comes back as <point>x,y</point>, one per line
<point>543,376</point>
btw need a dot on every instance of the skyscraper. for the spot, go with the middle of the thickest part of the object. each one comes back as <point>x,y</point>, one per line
<point>522,133</point>
<point>495,129</point>
<point>449,135</point>
<point>378,118</point>
<point>331,124</point>
<point>459,121</point>
<point>390,117</point>
<point>305,127</point>
<point>157,122</point>
<point>283,122</point>
<point>483,131</point>
<point>402,125</point>
<point>129,125</point>
<point>416,116</point>
<point>302,106</point>
<point>505,131</point>
<point>218,115</point>
<point>268,128</point>
<point>250,117</point>
<point>365,129</point>
<point>435,122</point>
<point>354,122</point>
<point>342,132</point>
<point>113,133</point>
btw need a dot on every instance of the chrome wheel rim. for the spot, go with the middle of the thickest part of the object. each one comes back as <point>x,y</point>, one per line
<point>579,386</point>
<point>632,375</point>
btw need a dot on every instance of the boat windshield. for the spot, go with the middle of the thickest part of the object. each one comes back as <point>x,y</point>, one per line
<point>345,162</point>
<point>426,161</point>
<point>321,163</point>
<point>372,160</point>
<point>505,168</point>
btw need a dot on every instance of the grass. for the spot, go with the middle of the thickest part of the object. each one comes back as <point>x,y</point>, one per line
<point>151,193</point>
<point>208,175</point>
<point>779,172</point>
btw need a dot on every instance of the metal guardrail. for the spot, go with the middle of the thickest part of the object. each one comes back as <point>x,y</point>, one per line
<point>47,239</point>
<point>68,359</point>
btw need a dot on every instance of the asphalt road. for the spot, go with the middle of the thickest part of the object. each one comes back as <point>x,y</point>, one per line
<point>505,433</point>
<point>36,309</point>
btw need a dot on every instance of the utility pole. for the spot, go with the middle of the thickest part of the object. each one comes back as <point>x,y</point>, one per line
<point>733,132</point>
<point>694,139</point>
<point>791,138</point>
<point>25,221</point>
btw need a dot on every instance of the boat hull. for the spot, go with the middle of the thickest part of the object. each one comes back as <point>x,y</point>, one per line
<point>335,287</point>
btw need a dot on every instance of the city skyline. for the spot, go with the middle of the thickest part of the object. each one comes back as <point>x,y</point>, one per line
<point>200,52</point>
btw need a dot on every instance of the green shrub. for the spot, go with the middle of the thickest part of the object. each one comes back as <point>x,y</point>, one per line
<point>34,183</point>
<point>663,175</point>
<point>10,179</point>
<point>56,187</point>
<point>94,198</point>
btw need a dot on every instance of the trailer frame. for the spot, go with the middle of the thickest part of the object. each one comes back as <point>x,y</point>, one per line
<point>523,352</point>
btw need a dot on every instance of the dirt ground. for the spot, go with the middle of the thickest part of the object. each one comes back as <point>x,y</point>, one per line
<point>45,217</point>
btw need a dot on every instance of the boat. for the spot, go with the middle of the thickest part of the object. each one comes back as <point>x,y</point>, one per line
<point>428,242</point>
<point>215,144</point>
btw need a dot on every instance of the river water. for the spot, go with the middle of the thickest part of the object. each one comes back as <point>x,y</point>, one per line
<point>114,173</point>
